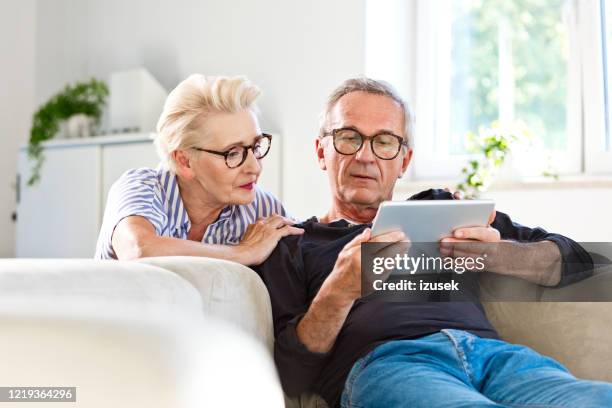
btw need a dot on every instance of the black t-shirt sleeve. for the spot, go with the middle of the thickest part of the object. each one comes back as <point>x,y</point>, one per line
<point>283,274</point>
<point>577,263</point>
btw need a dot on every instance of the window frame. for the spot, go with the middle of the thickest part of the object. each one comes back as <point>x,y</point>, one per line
<point>596,159</point>
<point>586,130</point>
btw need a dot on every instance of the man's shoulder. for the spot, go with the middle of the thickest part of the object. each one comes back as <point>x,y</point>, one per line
<point>317,233</point>
<point>433,194</point>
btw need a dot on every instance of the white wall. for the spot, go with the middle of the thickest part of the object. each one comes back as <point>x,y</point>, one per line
<point>17,28</point>
<point>577,210</point>
<point>579,213</point>
<point>296,51</point>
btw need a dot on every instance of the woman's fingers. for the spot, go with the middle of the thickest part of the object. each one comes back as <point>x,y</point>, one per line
<point>283,232</point>
<point>277,221</point>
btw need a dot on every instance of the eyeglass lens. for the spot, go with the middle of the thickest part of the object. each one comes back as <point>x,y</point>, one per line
<point>348,141</point>
<point>238,154</point>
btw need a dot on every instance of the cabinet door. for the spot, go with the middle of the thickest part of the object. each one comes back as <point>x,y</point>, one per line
<point>118,158</point>
<point>58,217</point>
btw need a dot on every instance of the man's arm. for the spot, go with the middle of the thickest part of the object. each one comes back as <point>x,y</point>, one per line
<point>305,331</point>
<point>321,324</point>
<point>527,253</point>
<point>566,260</point>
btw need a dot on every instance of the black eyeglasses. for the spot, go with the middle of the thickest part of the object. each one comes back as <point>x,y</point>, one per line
<point>385,146</point>
<point>237,155</point>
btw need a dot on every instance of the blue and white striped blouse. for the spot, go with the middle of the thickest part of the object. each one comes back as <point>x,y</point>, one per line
<point>154,195</point>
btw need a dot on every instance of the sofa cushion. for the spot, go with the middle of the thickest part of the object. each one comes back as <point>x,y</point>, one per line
<point>60,284</point>
<point>229,291</point>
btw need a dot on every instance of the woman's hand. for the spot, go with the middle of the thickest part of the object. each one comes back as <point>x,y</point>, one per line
<point>261,238</point>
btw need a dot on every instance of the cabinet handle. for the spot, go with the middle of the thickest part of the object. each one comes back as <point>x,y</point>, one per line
<point>18,188</point>
<point>17,195</point>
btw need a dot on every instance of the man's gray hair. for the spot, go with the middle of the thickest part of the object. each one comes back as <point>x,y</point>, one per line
<point>372,86</point>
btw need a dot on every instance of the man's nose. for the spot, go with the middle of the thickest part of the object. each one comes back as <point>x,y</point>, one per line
<point>365,154</point>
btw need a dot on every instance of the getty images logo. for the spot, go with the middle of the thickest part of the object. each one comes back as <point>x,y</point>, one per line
<point>424,263</point>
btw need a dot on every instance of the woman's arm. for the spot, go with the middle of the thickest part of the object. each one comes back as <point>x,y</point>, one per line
<point>135,237</point>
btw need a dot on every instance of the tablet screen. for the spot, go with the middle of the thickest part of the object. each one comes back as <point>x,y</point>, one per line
<point>431,220</point>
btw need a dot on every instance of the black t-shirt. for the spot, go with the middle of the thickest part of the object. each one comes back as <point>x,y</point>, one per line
<point>296,269</point>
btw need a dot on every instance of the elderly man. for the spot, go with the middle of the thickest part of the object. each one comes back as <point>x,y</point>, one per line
<point>357,353</point>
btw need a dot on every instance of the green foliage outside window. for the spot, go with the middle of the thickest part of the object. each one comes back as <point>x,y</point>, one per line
<point>491,147</point>
<point>537,33</point>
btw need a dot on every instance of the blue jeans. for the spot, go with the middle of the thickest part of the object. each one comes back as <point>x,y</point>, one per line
<point>454,368</point>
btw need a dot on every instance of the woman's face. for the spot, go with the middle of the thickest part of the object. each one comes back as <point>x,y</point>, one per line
<point>218,182</point>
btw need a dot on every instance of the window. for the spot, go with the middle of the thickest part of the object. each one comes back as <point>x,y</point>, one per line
<point>595,35</point>
<point>508,61</point>
<point>606,7</point>
<point>541,63</point>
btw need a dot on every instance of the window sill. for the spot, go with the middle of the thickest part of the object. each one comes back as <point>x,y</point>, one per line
<point>534,183</point>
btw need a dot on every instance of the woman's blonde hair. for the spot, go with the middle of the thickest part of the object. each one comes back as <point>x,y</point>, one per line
<point>179,125</point>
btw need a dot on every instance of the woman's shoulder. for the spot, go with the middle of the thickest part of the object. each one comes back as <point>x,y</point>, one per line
<point>138,180</point>
<point>267,204</point>
<point>261,194</point>
<point>142,175</point>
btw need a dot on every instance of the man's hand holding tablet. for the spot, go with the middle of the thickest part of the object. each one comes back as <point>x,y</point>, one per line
<point>434,220</point>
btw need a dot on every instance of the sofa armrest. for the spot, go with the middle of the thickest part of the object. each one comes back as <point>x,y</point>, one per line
<point>576,334</point>
<point>229,291</point>
<point>572,324</point>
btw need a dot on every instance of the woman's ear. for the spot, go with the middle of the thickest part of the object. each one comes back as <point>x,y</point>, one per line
<point>183,164</point>
<point>320,149</point>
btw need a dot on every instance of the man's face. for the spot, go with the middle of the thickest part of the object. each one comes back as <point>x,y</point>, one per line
<point>363,179</point>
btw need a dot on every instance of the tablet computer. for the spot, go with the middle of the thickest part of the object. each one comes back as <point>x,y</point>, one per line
<point>431,220</point>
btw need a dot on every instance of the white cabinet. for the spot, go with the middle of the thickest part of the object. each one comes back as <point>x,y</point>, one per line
<point>60,216</point>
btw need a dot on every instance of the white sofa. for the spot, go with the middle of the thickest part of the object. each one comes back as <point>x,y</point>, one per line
<point>131,334</point>
<point>185,332</point>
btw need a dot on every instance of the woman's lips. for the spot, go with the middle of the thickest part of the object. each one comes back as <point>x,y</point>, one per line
<point>248,186</point>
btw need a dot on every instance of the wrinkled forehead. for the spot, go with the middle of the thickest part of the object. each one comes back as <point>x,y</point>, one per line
<point>369,113</point>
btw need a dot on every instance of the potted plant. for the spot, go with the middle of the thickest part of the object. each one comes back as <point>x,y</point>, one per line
<point>74,101</point>
<point>491,147</point>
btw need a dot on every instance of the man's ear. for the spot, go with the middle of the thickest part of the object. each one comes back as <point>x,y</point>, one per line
<point>320,153</point>
<point>183,164</point>
<point>405,162</point>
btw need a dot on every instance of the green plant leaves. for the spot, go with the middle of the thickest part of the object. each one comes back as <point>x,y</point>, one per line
<point>492,144</point>
<point>87,98</point>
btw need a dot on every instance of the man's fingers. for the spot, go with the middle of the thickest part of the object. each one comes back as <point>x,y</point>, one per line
<point>359,239</point>
<point>486,234</point>
<point>453,246</point>
<point>457,195</point>
<point>390,236</point>
<point>492,217</point>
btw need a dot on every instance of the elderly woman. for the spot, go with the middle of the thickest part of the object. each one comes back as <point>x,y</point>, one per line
<point>203,198</point>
